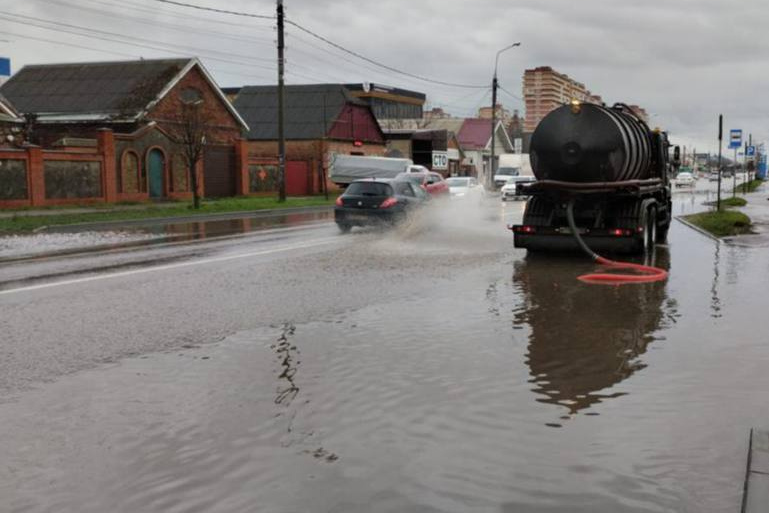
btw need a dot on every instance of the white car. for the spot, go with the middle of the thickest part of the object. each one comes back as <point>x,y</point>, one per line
<point>461,187</point>
<point>508,190</point>
<point>685,180</point>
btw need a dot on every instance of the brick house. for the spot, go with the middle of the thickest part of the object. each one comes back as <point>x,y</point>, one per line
<point>320,121</point>
<point>127,115</point>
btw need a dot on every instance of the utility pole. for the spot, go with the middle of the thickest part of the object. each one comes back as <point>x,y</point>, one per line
<point>490,178</point>
<point>494,85</point>
<point>720,138</point>
<point>281,91</point>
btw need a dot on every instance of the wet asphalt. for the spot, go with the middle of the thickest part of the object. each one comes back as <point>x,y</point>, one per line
<point>430,368</point>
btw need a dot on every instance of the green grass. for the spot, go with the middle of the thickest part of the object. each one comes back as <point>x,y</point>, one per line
<point>735,201</point>
<point>24,223</point>
<point>752,186</point>
<point>721,224</point>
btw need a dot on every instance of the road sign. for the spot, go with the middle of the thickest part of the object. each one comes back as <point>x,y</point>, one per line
<point>735,138</point>
<point>440,160</point>
<point>751,151</point>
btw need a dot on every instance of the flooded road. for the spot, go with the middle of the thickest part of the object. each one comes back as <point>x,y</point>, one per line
<point>430,369</point>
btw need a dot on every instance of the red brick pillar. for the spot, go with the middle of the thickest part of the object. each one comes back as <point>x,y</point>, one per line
<point>36,175</point>
<point>241,167</point>
<point>106,144</point>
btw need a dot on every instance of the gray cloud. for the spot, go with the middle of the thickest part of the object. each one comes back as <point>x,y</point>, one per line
<point>685,61</point>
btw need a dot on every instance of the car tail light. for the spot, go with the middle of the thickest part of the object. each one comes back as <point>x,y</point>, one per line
<point>619,232</point>
<point>524,229</point>
<point>339,201</point>
<point>389,202</point>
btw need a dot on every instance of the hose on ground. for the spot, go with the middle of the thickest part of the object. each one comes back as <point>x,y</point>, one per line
<point>644,274</point>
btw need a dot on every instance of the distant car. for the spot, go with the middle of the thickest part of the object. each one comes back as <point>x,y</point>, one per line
<point>377,201</point>
<point>416,168</point>
<point>503,174</point>
<point>508,190</point>
<point>433,183</point>
<point>461,187</point>
<point>685,179</point>
<point>713,177</point>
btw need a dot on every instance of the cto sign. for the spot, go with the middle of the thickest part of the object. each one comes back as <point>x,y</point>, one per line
<point>440,160</point>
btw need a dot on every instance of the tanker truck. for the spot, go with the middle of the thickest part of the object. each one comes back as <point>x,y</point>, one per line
<point>608,170</point>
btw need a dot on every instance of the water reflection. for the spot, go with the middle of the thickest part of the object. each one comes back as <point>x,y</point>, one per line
<point>198,230</point>
<point>585,339</point>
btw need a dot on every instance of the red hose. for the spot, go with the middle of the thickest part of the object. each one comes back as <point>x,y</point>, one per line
<point>645,274</point>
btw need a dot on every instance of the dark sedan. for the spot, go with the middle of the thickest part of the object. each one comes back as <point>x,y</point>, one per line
<point>377,201</point>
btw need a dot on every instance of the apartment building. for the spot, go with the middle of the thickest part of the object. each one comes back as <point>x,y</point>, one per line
<point>545,89</point>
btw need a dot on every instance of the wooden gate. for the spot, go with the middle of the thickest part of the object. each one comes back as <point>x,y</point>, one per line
<point>219,172</point>
<point>298,178</point>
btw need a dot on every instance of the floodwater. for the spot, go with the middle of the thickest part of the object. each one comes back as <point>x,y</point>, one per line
<point>509,387</point>
<point>147,233</point>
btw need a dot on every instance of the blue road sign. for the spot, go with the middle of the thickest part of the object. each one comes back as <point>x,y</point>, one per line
<point>751,151</point>
<point>735,138</point>
<point>5,67</point>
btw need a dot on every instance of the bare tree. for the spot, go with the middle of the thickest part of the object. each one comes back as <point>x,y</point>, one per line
<point>190,132</point>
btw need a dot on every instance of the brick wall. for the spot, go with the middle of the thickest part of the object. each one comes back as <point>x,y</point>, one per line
<point>317,152</point>
<point>223,126</point>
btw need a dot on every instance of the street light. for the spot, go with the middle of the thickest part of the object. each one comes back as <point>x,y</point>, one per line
<point>490,179</point>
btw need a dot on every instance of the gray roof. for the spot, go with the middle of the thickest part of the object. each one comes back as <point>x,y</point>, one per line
<point>310,110</point>
<point>98,88</point>
<point>8,113</point>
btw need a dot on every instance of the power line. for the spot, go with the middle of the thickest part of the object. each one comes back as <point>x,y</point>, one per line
<point>385,66</point>
<point>220,11</point>
<point>140,45</point>
<point>145,21</point>
<point>509,93</point>
<point>68,44</point>
<point>175,13</point>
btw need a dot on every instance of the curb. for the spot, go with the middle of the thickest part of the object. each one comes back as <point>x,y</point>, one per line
<point>697,229</point>
<point>220,216</point>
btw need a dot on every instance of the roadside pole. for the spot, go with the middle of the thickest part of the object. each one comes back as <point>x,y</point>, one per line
<point>720,138</point>
<point>734,174</point>
<point>490,179</point>
<point>281,88</point>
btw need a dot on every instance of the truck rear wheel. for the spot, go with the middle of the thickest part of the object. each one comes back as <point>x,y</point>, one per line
<point>537,212</point>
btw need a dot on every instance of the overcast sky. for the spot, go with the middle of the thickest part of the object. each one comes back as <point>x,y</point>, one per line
<point>685,61</point>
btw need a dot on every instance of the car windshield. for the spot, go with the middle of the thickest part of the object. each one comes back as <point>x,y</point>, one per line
<point>509,171</point>
<point>368,189</point>
<point>458,182</point>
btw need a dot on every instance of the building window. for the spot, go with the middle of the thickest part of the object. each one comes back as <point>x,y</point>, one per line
<point>129,173</point>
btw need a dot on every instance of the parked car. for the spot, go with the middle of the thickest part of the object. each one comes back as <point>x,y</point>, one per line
<point>431,182</point>
<point>508,190</point>
<point>685,179</point>
<point>461,187</point>
<point>713,177</point>
<point>377,201</point>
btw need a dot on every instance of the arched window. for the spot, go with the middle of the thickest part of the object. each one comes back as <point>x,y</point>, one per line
<point>129,172</point>
<point>180,174</point>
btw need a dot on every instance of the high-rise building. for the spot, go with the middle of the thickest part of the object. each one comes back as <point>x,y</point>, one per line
<point>545,89</point>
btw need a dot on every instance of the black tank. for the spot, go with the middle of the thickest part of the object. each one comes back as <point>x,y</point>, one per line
<point>591,143</point>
